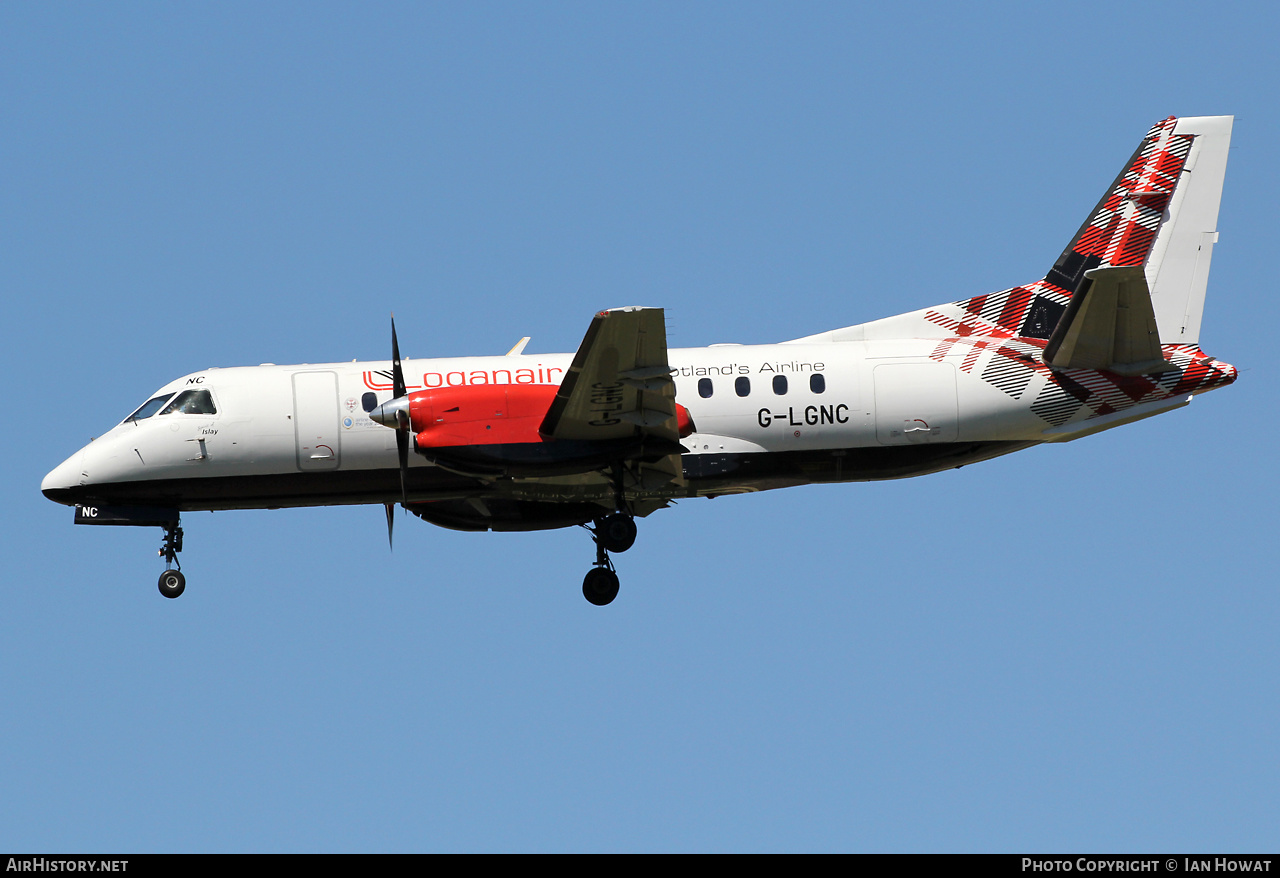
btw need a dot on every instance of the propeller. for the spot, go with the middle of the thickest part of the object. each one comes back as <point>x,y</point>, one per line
<point>402,414</point>
<point>394,413</point>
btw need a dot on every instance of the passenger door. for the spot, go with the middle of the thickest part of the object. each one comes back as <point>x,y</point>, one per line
<point>315,420</point>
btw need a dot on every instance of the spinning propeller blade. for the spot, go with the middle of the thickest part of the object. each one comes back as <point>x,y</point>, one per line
<point>402,416</point>
<point>402,449</point>
<point>397,373</point>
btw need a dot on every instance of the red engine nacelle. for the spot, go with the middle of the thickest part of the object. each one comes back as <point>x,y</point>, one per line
<point>492,414</point>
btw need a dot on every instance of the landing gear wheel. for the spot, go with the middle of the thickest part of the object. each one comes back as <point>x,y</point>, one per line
<point>617,533</point>
<point>172,583</point>
<point>600,586</point>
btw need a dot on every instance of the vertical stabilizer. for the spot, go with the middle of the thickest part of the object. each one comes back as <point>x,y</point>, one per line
<point>1136,272</point>
<point>1158,219</point>
<point>1122,228</point>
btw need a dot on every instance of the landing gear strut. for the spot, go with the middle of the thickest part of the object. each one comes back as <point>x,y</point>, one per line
<point>172,582</point>
<point>616,533</point>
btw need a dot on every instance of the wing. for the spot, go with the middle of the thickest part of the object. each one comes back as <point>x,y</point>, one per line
<point>619,387</point>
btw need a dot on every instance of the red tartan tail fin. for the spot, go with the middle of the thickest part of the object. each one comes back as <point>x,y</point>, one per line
<point>1160,214</point>
<point>1119,231</point>
<point>1123,226</point>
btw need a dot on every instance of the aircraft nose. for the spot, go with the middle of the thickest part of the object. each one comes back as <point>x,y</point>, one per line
<point>62,484</point>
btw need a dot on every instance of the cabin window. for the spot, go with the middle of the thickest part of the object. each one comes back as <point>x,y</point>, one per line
<point>742,384</point>
<point>817,383</point>
<point>149,408</point>
<point>369,401</point>
<point>704,388</point>
<point>780,385</point>
<point>191,402</point>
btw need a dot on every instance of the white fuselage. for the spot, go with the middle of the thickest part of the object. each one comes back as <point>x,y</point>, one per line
<point>301,435</point>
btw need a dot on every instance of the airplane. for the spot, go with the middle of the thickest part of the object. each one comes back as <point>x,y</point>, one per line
<point>625,426</point>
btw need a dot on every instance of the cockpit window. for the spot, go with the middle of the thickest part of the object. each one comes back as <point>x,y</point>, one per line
<point>149,408</point>
<point>191,402</point>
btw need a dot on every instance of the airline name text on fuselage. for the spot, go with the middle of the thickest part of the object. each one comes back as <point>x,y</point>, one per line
<point>459,378</point>
<point>470,377</point>
<point>743,369</point>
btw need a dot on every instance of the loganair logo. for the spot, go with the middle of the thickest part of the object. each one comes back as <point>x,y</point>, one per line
<point>382,379</point>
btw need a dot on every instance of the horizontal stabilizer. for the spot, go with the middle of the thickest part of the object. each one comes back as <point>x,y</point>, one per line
<point>1109,324</point>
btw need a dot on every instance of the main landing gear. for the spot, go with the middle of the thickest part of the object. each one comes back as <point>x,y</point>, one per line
<point>615,533</point>
<point>172,582</point>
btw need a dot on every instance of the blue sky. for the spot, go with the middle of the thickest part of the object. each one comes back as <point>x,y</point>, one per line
<point>1072,648</point>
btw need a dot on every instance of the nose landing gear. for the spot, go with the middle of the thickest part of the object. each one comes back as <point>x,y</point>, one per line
<point>172,582</point>
<point>616,533</point>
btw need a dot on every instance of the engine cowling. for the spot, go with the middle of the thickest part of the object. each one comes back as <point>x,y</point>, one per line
<point>494,429</point>
<point>491,414</point>
<point>494,414</point>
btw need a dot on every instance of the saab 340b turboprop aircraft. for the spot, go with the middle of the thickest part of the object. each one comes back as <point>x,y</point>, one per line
<point>625,426</point>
